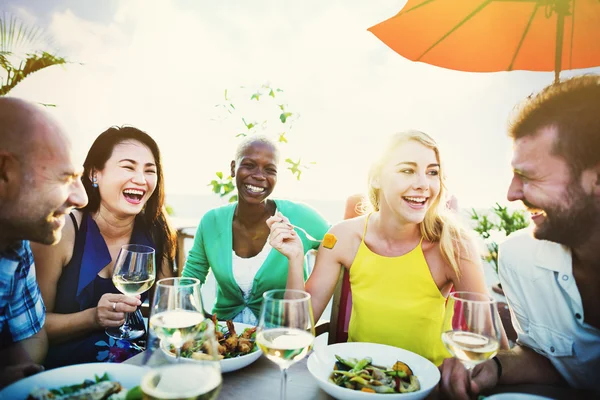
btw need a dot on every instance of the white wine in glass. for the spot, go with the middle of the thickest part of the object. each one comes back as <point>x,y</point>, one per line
<point>134,273</point>
<point>182,382</point>
<point>178,317</point>
<point>471,331</point>
<point>177,326</point>
<point>286,329</point>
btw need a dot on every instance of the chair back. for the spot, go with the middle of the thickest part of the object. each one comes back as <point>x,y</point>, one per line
<point>341,309</point>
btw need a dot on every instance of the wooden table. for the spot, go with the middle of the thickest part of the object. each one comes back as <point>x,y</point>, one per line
<point>261,380</point>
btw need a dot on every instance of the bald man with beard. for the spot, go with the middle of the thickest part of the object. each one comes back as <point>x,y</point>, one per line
<point>39,186</point>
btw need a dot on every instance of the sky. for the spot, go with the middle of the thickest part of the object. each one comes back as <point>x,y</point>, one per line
<point>163,66</point>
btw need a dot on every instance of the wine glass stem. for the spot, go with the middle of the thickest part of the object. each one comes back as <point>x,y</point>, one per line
<point>469,367</point>
<point>283,383</point>
<point>125,329</point>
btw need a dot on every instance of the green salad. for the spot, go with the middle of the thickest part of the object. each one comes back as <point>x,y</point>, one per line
<point>362,375</point>
<point>101,387</point>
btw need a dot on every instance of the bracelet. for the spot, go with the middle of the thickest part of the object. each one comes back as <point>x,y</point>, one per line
<point>499,364</point>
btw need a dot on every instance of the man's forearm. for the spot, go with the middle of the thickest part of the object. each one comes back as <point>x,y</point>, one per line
<point>33,349</point>
<point>37,346</point>
<point>523,365</point>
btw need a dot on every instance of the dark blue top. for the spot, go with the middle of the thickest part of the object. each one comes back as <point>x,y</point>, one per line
<point>80,288</point>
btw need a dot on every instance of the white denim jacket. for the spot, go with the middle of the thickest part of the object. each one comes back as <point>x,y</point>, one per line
<point>546,308</point>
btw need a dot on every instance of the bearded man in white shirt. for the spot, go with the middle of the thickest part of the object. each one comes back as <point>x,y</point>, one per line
<point>550,273</point>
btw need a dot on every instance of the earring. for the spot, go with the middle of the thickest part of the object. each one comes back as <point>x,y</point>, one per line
<point>94,182</point>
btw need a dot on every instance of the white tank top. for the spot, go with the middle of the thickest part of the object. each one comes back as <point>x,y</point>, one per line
<point>244,271</point>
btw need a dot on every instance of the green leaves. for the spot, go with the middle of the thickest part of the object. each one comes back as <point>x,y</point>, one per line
<point>247,113</point>
<point>296,167</point>
<point>284,116</point>
<point>501,220</point>
<point>15,36</point>
<point>222,186</point>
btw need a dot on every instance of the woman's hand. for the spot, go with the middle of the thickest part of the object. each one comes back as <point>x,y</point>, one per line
<point>111,309</point>
<point>283,237</point>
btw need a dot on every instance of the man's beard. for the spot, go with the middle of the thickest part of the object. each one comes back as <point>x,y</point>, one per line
<point>570,226</point>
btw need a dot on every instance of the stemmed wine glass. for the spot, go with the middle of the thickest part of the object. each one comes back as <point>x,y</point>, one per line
<point>134,273</point>
<point>286,329</point>
<point>471,330</point>
<point>177,319</point>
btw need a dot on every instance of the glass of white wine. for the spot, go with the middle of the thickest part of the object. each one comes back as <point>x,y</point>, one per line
<point>134,273</point>
<point>286,329</point>
<point>177,319</point>
<point>471,330</point>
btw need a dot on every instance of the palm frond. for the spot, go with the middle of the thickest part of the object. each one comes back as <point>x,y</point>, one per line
<point>33,63</point>
<point>25,46</point>
<point>15,35</point>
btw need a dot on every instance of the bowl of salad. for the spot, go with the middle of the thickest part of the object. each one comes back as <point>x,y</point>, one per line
<point>237,346</point>
<point>82,381</point>
<point>356,371</point>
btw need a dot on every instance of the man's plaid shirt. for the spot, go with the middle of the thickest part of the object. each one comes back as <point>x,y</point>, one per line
<point>22,311</point>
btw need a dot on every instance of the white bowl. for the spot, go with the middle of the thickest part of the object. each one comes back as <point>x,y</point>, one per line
<point>127,375</point>
<point>227,364</point>
<point>321,362</point>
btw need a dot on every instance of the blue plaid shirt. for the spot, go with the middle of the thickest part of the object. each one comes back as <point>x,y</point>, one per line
<point>22,311</point>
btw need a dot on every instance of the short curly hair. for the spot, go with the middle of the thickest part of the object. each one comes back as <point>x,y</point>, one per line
<point>250,141</point>
<point>573,107</point>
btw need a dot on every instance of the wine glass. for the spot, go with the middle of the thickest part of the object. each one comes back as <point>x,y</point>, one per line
<point>134,273</point>
<point>471,330</point>
<point>177,319</point>
<point>286,329</point>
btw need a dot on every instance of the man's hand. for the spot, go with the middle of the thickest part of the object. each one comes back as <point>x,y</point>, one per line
<point>13,373</point>
<point>456,384</point>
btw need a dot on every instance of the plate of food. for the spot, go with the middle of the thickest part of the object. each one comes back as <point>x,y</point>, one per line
<point>356,371</point>
<point>102,380</point>
<point>237,346</point>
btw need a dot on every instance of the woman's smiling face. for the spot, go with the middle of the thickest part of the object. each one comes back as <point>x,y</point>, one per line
<point>409,181</point>
<point>255,172</point>
<point>128,179</point>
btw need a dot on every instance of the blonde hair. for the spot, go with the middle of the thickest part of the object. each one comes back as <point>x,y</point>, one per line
<point>439,224</point>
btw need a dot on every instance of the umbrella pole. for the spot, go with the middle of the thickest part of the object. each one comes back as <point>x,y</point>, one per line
<point>560,30</point>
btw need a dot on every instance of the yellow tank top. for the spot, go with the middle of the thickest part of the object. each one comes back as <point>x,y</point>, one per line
<point>395,301</point>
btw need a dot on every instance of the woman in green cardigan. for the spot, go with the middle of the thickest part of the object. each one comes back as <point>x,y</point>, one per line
<point>232,240</point>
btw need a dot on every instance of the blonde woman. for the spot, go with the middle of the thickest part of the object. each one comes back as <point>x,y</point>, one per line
<point>403,258</point>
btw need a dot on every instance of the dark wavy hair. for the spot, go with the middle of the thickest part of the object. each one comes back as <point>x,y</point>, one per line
<point>572,106</point>
<point>153,217</point>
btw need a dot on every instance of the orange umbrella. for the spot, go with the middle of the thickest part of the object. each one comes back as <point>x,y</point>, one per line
<point>496,35</point>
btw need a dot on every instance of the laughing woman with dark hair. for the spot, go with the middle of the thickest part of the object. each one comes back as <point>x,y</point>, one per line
<point>232,240</point>
<point>123,178</point>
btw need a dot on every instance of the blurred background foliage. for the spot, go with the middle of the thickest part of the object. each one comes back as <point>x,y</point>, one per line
<point>495,224</point>
<point>24,50</point>
<point>257,110</point>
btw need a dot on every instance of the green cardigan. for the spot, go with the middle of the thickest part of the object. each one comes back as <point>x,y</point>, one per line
<point>213,248</point>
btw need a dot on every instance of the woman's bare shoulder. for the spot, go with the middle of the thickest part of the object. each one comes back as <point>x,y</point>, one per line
<point>433,252</point>
<point>78,214</point>
<point>349,227</point>
<point>349,235</point>
<point>61,252</point>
